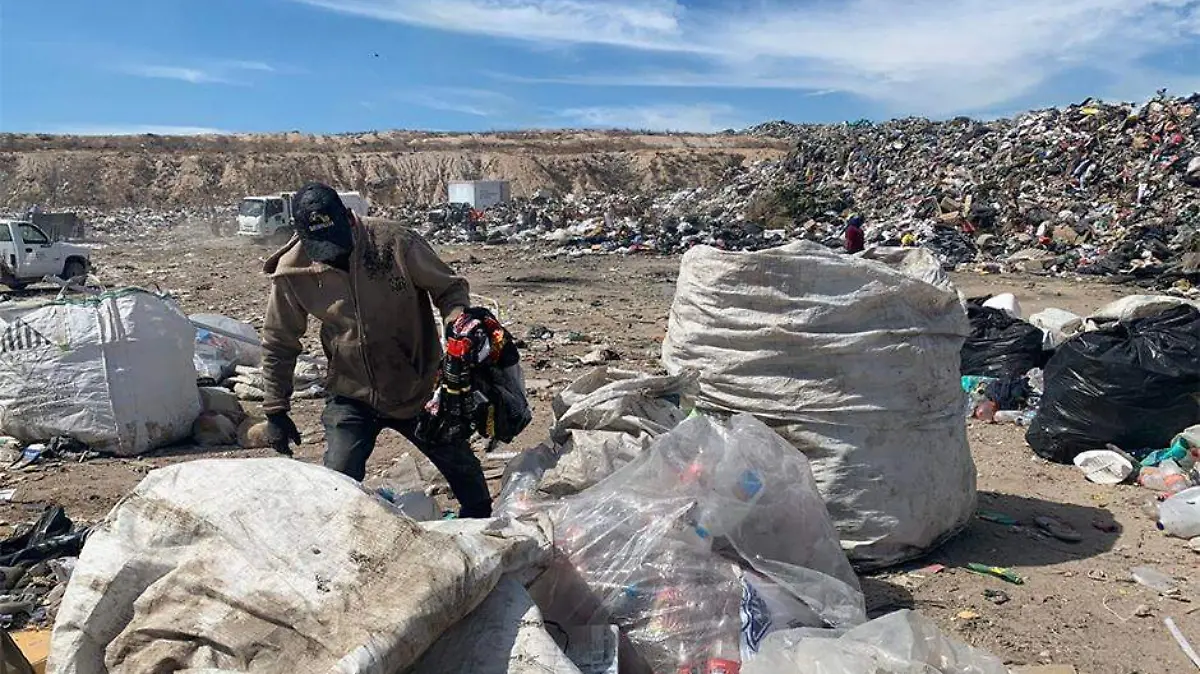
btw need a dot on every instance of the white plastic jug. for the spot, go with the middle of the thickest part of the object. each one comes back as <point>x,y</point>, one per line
<point>1180,514</point>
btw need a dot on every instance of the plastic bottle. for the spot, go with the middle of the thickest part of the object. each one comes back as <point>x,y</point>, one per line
<point>1180,515</point>
<point>1008,417</point>
<point>1166,477</point>
<point>986,410</point>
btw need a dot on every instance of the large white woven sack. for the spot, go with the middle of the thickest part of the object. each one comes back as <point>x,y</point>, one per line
<point>855,362</point>
<point>113,370</point>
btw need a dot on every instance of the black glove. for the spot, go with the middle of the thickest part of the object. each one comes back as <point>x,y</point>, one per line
<point>281,432</point>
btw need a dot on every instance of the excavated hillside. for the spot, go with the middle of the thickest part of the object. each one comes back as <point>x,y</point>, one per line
<point>392,168</point>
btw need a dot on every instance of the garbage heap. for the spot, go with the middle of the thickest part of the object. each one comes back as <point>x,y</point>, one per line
<point>1109,189</point>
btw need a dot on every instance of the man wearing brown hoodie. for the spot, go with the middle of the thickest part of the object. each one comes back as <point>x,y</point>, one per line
<point>370,284</point>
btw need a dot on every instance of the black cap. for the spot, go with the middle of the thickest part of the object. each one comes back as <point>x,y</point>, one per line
<point>319,212</point>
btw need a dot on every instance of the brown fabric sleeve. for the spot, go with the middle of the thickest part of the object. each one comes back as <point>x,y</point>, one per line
<point>283,326</point>
<point>429,273</point>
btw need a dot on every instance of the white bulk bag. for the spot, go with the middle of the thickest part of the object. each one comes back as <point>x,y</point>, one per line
<point>855,362</point>
<point>273,565</point>
<point>112,370</point>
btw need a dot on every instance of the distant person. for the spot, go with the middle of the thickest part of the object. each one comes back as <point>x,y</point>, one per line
<point>854,234</point>
<point>370,284</point>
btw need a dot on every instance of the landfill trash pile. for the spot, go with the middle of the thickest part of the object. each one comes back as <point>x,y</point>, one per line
<point>1104,188</point>
<point>1094,188</point>
<point>138,223</point>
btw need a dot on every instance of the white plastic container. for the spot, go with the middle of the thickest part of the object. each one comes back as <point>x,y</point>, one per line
<point>1104,466</point>
<point>1180,514</point>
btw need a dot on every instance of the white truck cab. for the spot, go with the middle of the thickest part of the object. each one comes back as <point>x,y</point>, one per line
<point>27,255</point>
<point>270,217</point>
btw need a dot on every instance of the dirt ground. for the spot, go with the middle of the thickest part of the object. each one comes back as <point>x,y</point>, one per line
<point>1077,607</point>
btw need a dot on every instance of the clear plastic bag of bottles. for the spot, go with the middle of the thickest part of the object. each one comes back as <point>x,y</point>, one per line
<point>662,547</point>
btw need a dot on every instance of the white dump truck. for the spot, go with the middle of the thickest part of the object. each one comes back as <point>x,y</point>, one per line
<point>270,217</point>
<point>27,255</point>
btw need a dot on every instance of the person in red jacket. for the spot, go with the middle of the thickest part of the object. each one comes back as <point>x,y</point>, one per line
<point>854,234</point>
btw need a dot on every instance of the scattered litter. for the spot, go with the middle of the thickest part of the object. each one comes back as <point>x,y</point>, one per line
<point>1166,478</point>
<point>1058,529</point>
<point>7,495</point>
<point>997,517</point>
<point>1104,466</point>
<point>1182,641</point>
<point>997,597</point>
<point>996,571</point>
<point>1155,580</point>
<point>1180,515</point>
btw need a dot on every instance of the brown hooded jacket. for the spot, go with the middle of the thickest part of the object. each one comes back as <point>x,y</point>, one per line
<point>377,327</point>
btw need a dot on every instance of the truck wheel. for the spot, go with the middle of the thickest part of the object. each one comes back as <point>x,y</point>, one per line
<point>16,285</point>
<point>74,268</point>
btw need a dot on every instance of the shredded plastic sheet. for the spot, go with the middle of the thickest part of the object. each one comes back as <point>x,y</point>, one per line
<point>673,548</point>
<point>903,642</point>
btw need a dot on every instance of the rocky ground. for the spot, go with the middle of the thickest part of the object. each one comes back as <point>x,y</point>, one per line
<point>1077,607</point>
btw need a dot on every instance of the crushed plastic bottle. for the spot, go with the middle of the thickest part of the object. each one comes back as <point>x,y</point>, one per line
<point>1167,477</point>
<point>1180,515</point>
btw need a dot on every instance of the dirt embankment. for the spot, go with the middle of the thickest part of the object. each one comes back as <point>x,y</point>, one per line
<point>392,167</point>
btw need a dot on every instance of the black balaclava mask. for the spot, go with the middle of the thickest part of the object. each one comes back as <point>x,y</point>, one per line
<point>323,224</point>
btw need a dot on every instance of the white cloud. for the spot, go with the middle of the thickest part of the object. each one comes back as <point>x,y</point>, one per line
<point>189,75</point>
<point>257,66</point>
<point>463,100</point>
<point>642,24</point>
<point>704,118</point>
<point>131,130</point>
<point>210,72</point>
<point>926,56</point>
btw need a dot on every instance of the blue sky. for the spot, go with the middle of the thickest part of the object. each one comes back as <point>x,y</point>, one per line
<point>191,66</point>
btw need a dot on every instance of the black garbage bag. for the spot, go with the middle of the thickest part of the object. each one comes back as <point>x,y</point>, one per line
<point>54,535</point>
<point>1134,385</point>
<point>1000,346</point>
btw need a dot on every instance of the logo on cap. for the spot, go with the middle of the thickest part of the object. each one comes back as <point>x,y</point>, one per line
<point>319,221</point>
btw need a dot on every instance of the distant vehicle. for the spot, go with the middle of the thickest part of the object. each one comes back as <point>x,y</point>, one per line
<point>27,255</point>
<point>270,217</point>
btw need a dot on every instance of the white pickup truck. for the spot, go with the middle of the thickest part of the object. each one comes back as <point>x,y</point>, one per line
<point>27,255</point>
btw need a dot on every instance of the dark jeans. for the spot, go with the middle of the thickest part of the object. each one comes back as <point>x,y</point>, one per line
<point>351,428</point>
